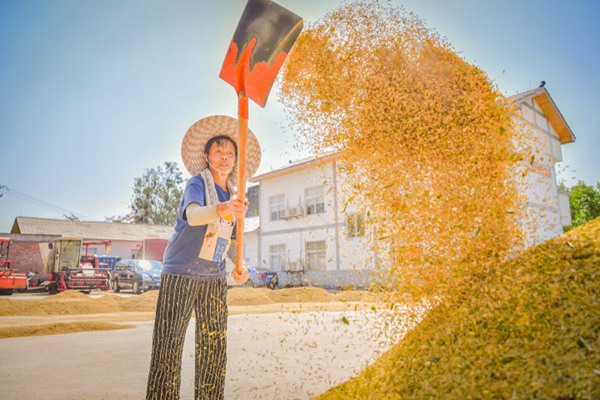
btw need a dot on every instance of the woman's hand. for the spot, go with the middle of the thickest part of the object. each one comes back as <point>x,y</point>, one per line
<point>235,207</point>
<point>240,278</point>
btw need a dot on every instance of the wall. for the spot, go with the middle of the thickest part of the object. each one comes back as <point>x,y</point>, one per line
<point>348,259</point>
<point>546,209</point>
<point>251,248</point>
<point>295,232</point>
<point>153,249</point>
<point>25,253</point>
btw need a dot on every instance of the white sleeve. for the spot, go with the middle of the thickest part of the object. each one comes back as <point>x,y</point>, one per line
<point>198,215</point>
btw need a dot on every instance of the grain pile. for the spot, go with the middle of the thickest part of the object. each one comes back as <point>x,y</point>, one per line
<point>74,302</point>
<point>526,329</point>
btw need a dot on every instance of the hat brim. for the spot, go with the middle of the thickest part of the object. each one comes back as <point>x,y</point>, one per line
<point>196,137</point>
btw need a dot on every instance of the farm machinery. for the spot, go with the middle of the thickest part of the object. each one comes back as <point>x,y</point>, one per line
<point>68,269</point>
<point>9,279</point>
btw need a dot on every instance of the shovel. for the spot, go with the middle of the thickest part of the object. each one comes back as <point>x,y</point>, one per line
<point>262,40</point>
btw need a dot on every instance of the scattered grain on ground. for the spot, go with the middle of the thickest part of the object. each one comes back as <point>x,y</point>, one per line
<point>60,328</point>
<point>73,311</point>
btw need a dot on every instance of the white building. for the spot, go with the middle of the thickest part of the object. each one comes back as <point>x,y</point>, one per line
<point>548,207</point>
<point>303,232</point>
<point>308,235</point>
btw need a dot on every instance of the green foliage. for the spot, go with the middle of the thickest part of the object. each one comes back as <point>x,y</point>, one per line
<point>156,195</point>
<point>526,329</point>
<point>585,203</point>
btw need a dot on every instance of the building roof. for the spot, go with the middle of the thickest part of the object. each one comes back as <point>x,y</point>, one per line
<point>101,230</point>
<point>90,229</point>
<point>550,110</point>
<point>294,167</point>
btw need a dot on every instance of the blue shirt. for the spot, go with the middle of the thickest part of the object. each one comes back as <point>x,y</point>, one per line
<point>181,254</point>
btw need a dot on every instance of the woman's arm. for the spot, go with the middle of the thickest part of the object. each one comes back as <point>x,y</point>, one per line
<point>198,215</point>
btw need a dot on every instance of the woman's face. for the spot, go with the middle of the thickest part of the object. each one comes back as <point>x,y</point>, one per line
<point>222,156</point>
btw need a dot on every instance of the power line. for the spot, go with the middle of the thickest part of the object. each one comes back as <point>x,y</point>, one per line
<point>51,207</point>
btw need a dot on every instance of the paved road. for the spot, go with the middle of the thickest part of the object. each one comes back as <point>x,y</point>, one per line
<point>271,356</point>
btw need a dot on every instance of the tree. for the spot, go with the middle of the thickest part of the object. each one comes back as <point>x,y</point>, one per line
<point>585,203</point>
<point>71,217</point>
<point>156,195</point>
<point>123,219</point>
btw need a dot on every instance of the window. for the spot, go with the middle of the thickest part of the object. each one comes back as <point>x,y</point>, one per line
<point>277,256</point>
<point>92,250</point>
<point>355,225</point>
<point>120,266</point>
<point>315,200</point>
<point>277,207</point>
<point>70,252</point>
<point>316,253</point>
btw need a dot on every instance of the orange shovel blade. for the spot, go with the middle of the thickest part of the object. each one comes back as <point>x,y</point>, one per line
<point>264,36</point>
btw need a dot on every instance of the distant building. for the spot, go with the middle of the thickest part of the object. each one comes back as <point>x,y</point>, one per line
<point>303,232</point>
<point>31,237</point>
<point>127,239</point>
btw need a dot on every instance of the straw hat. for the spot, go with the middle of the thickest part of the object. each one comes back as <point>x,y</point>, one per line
<point>194,141</point>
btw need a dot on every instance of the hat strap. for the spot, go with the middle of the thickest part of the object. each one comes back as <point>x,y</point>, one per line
<point>221,174</point>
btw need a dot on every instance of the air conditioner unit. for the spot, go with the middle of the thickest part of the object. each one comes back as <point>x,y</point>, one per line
<point>294,212</point>
<point>289,213</point>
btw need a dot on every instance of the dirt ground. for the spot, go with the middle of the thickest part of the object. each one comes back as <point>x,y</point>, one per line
<point>282,344</point>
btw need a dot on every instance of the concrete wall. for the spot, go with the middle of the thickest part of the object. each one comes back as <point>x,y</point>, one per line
<point>342,279</point>
<point>26,253</point>
<point>153,249</point>
<point>294,232</point>
<point>547,209</point>
<point>251,248</point>
<point>345,257</point>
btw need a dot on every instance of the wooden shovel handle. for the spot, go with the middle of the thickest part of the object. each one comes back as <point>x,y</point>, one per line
<point>241,173</point>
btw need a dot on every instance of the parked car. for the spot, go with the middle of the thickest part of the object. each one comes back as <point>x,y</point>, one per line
<point>262,277</point>
<point>137,275</point>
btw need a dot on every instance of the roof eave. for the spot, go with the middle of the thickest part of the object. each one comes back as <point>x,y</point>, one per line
<point>555,117</point>
<point>295,167</point>
<point>546,103</point>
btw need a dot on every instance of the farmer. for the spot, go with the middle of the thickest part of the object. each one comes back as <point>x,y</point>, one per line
<point>194,274</point>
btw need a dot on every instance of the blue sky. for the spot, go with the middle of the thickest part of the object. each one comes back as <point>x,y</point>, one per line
<point>95,91</point>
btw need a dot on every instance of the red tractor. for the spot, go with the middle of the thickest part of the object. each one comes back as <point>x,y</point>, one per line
<point>68,269</point>
<point>9,279</point>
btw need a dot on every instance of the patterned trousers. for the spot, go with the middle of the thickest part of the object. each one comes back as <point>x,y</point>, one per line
<point>178,297</point>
